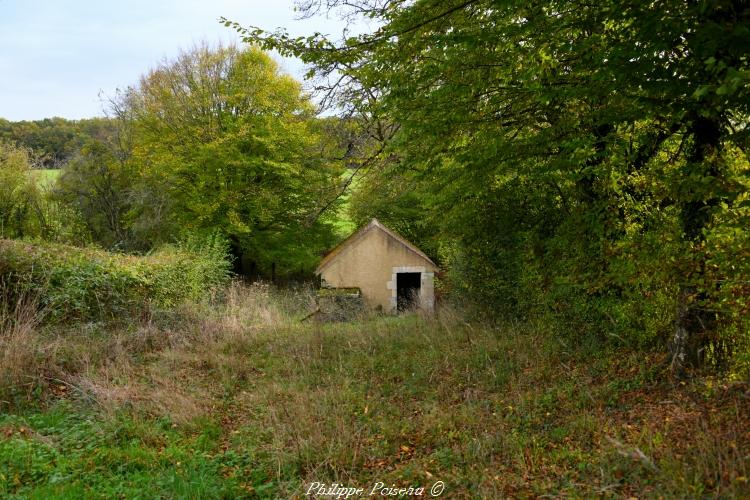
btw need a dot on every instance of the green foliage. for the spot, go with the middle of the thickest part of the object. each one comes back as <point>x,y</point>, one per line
<point>391,197</point>
<point>581,160</point>
<point>96,183</point>
<point>19,194</point>
<point>73,284</point>
<point>54,141</point>
<point>235,148</point>
<point>28,207</point>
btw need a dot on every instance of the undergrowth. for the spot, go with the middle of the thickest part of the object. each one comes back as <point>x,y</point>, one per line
<point>85,284</point>
<point>240,398</point>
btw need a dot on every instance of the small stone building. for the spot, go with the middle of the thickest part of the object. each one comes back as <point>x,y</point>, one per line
<point>391,273</point>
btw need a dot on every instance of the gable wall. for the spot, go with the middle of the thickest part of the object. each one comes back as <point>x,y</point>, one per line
<point>369,265</point>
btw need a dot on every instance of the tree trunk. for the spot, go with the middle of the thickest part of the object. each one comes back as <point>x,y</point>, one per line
<point>692,322</point>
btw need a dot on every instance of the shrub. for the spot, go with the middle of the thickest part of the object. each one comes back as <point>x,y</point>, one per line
<point>75,284</point>
<point>19,194</point>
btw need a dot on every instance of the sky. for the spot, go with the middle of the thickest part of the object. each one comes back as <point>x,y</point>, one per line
<point>58,56</point>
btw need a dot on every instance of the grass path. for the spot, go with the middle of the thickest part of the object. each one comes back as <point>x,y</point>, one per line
<point>241,404</point>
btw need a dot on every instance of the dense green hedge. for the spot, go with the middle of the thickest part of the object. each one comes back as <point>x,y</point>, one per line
<point>76,284</point>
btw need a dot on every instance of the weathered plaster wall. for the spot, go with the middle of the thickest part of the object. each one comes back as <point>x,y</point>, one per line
<point>371,263</point>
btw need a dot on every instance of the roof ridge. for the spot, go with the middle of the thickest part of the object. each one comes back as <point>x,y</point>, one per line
<point>405,242</point>
<point>355,236</point>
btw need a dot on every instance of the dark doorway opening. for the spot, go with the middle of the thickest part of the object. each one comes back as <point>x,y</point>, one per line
<point>407,290</point>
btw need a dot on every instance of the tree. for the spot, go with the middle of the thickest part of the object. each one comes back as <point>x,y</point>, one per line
<point>228,142</point>
<point>20,213</point>
<point>97,184</point>
<point>616,117</point>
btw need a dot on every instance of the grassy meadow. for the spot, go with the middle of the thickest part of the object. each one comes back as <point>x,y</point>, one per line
<point>46,176</point>
<point>237,398</point>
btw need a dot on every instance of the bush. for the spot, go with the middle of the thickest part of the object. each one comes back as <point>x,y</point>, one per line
<point>19,194</point>
<point>75,284</point>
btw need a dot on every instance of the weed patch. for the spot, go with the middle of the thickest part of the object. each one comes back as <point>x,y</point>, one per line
<point>241,399</point>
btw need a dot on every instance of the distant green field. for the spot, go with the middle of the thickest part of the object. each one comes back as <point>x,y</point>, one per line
<point>46,176</point>
<point>344,225</point>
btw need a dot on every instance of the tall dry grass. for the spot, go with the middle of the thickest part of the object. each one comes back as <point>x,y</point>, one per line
<point>104,363</point>
<point>26,363</point>
<point>160,366</point>
<point>254,306</point>
<point>184,366</point>
<point>390,399</point>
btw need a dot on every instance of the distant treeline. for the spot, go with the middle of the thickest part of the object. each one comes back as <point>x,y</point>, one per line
<point>54,141</point>
<point>218,141</point>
